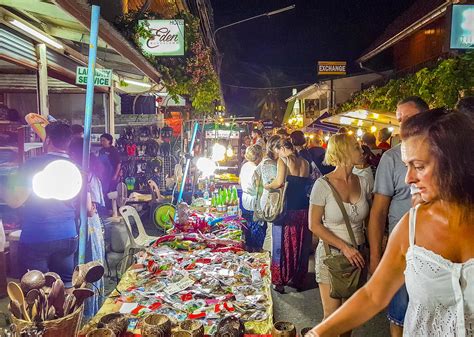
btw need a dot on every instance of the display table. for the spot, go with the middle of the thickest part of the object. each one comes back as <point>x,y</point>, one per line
<point>197,276</point>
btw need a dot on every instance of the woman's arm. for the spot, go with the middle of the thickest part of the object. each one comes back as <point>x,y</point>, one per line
<point>376,294</point>
<point>315,225</point>
<point>280,178</point>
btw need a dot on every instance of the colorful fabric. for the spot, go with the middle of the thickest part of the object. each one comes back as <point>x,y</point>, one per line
<point>95,250</point>
<point>291,249</point>
<point>255,232</point>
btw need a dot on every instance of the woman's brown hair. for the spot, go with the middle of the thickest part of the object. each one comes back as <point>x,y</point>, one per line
<point>271,146</point>
<point>451,141</point>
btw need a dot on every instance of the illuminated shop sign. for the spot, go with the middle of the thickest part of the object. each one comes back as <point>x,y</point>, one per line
<point>462,27</point>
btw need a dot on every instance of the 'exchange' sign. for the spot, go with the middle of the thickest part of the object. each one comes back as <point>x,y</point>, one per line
<point>332,67</point>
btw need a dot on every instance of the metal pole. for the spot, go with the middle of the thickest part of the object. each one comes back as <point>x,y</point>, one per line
<point>87,127</point>
<point>188,161</point>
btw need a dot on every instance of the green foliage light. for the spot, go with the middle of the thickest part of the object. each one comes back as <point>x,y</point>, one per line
<point>439,86</point>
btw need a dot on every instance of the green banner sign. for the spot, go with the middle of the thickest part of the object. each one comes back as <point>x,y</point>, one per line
<point>102,77</point>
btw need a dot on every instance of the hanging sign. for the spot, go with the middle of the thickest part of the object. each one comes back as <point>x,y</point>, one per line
<point>167,37</point>
<point>332,67</point>
<point>231,134</point>
<point>102,77</point>
<point>462,27</point>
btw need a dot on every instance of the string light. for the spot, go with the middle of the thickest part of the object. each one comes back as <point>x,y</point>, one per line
<point>360,133</point>
<point>373,129</point>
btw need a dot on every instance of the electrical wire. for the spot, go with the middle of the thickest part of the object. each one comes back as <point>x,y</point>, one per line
<point>266,88</point>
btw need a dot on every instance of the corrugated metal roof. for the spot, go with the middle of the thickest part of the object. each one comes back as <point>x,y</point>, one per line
<point>26,82</point>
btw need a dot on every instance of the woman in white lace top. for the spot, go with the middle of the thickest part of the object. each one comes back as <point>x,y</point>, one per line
<point>431,249</point>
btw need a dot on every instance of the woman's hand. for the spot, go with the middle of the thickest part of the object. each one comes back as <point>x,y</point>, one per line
<point>354,256</point>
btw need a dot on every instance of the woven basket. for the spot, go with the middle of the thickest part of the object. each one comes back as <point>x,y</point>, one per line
<point>182,333</point>
<point>116,322</point>
<point>284,329</point>
<point>194,327</point>
<point>65,326</point>
<point>156,325</point>
<point>101,332</point>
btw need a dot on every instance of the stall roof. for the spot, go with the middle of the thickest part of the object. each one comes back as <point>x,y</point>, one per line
<point>363,119</point>
<point>69,21</point>
<point>419,14</point>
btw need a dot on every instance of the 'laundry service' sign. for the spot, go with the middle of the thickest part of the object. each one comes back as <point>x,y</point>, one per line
<point>166,37</point>
<point>332,67</point>
<point>102,77</point>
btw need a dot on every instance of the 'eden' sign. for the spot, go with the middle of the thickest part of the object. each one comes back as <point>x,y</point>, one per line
<point>167,37</point>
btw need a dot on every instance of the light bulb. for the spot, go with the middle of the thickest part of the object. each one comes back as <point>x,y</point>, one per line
<point>391,129</point>
<point>230,152</point>
<point>360,133</point>
<point>350,132</point>
<point>326,138</point>
<point>60,180</point>
<point>373,128</point>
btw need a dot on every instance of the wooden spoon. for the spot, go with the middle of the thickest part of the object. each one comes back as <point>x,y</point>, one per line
<point>15,293</point>
<point>94,271</point>
<point>15,309</point>
<point>51,313</point>
<point>81,295</point>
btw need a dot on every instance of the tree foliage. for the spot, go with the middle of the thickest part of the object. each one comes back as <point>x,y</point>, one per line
<point>440,86</point>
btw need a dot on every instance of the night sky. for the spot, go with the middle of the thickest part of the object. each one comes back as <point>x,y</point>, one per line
<point>284,49</point>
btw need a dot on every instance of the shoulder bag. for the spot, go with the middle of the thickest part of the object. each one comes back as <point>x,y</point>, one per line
<point>274,207</point>
<point>344,278</point>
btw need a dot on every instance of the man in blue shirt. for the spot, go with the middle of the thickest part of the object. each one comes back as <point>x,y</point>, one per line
<point>48,239</point>
<point>392,199</point>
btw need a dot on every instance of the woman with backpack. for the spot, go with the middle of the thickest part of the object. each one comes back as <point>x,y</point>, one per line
<point>290,234</point>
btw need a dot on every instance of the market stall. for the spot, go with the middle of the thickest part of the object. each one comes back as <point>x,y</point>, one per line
<point>197,272</point>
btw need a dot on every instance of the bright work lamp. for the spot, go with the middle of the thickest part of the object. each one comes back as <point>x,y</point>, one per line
<point>60,180</point>
<point>206,166</point>
<point>218,152</point>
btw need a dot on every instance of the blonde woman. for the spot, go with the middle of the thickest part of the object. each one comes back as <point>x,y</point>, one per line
<point>325,216</point>
<point>255,232</point>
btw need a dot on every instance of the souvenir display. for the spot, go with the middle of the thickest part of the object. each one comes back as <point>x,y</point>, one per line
<point>197,275</point>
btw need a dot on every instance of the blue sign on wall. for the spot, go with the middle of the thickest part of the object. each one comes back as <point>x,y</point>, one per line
<point>462,27</point>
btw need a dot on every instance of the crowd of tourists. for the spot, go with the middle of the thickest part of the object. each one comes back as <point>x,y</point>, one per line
<point>418,192</point>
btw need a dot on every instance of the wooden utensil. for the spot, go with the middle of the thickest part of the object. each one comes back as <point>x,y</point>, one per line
<point>15,309</point>
<point>81,295</point>
<point>94,271</point>
<point>51,313</point>
<point>15,293</point>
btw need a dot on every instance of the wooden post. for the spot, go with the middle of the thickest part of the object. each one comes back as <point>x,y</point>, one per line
<point>42,82</point>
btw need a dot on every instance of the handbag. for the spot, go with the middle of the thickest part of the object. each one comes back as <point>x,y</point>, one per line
<point>344,278</point>
<point>274,207</point>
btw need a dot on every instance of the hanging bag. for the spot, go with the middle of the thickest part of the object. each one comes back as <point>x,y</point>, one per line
<point>344,278</point>
<point>274,207</point>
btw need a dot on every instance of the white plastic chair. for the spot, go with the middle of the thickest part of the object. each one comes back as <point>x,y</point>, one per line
<point>140,242</point>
